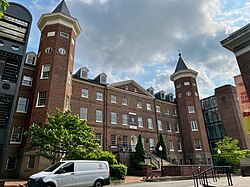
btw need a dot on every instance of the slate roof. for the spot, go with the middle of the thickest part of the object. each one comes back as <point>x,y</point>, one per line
<point>62,8</point>
<point>180,64</point>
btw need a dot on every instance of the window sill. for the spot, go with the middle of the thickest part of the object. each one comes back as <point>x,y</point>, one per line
<point>198,149</point>
<point>40,106</point>
<point>23,112</point>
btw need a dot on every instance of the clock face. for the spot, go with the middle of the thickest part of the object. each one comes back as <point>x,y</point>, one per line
<point>188,93</point>
<point>62,51</point>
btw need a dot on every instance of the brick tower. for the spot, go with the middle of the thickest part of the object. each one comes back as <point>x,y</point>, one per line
<point>53,81</point>
<point>192,127</point>
<point>239,43</point>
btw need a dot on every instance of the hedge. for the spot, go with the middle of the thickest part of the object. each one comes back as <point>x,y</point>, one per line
<point>118,171</point>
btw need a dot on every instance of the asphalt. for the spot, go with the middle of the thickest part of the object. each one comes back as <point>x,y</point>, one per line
<point>238,181</point>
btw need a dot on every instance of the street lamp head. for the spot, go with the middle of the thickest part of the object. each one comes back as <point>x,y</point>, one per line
<point>160,148</point>
<point>219,151</point>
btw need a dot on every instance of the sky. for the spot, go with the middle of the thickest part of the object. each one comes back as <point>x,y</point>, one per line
<point>141,39</point>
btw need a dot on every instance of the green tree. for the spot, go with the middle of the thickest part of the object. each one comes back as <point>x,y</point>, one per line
<point>139,150</point>
<point>230,151</point>
<point>162,153</point>
<point>63,136</point>
<point>3,7</point>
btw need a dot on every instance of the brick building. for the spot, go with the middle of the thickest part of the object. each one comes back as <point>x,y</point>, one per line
<point>118,112</point>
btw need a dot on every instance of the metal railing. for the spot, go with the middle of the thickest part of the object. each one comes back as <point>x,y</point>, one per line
<point>201,177</point>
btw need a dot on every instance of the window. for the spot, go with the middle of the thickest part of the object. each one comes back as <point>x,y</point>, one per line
<point>83,113</point>
<point>85,93</point>
<point>176,128</point>
<point>22,105</point>
<point>197,144</point>
<point>169,128</point>
<point>148,105</point>
<point>159,124</point>
<point>194,84</point>
<point>68,167</point>
<point>124,101</point>
<point>138,104</point>
<point>191,109</point>
<point>124,119</point>
<point>62,51</point>
<point>113,99</point>
<point>27,81</point>
<point>113,117</point>
<point>99,139</point>
<point>41,99</point>
<point>167,111</point>
<point>152,143</point>
<point>179,147</point>
<point>150,123</point>
<point>11,163</point>
<point>140,122</point>
<point>125,141</point>
<point>98,116</point>
<point>45,71</point>
<point>48,50</point>
<point>174,112</point>
<point>158,109</point>
<point>186,83</point>
<point>194,125</point>
<point>52,33</point>
<point>73,41</point>
<point>16,136</point>
<point>135,90</point>
<point>188,93</point>
<point>64,35</point>
<point>30,59</point>
<point>126,87</point>
<point>103,78</point>
<point>31,162</point>
<point>99,96</point>
<point>69,77</point>
<point>171,145</point>
<point>178,85</point>
<point>113,141</point>
<point>67,106</point>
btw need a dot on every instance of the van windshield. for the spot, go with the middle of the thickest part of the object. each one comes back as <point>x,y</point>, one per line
<point>54,166</point>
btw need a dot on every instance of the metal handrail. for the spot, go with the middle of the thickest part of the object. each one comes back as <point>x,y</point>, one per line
<point>201,177</point>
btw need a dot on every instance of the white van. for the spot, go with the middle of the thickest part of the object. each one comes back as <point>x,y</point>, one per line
<point>73,173</point>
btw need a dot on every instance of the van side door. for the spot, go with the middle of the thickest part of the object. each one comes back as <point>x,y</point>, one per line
<point>66,175</point>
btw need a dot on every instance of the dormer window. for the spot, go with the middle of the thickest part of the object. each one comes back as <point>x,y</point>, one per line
<point>126,87</point>
<point>84,73</point>
<point>151,90</point>
<point>135,90</point>
<point>103,78</point>
<point>162,95</point>
<point>31,59</point>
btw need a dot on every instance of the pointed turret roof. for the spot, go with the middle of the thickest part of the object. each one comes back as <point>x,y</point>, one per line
<point>180,64</point>
<point>62,8</point>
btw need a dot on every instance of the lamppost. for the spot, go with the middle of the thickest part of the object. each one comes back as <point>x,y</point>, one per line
<point>160,149</point>
<point>219,152</point>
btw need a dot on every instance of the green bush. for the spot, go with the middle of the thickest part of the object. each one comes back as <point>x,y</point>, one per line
<point>145,165</point>
<point>118,171</point>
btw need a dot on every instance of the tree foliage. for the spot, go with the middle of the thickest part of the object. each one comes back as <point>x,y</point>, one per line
<point>230,151</point>
<point>162,153</point>
<point>63,136</point>
<point>3,6</point>
<point>139,150</point>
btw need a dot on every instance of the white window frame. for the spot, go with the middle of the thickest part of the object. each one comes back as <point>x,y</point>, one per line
<point>171,145</point>
<point>195,144</point>
<point>174,112</point>
<point>140,121</point>
<point>99,137</point>
<point>51,33</point>
<point>7,164</point>
<point>27,81</point>
<point>186,83</point>
<point>113,99</point>
<point>151,144</point>
<point>45,73</point>
<point>21,104</point>
<point>159,123</point>
<point>69,77</point>
<point>67,103</point>
<point>124,119</point>
<point>138,104</point>
<point>124,101</point>
<point>64,35</point>
<point>179,146</point>
<point>17,133</point>
<point>178,85</point>
<point>83,113</point>
<point>29,161</point>
<point>113,118</point>
<point>148,106</point>
<point>169,127</point>
<point>191,109</point>
<point>98,116</point>
<point>194,125</point>
<point>167,111</point>
<point>85,93</point>
<point>150,123</point>
<point>39,99</point>
<point>113,139</point>
<point>158,109</point>
<point>99,96</point>
<point>177,129</point>
<point>125,141</point>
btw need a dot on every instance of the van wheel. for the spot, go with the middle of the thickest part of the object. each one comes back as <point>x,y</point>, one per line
<point>49,185</point>
<point>98,184</point>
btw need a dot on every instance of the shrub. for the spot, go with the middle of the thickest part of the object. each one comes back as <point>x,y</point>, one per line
<point>118,171</point>
<point>145,165</point>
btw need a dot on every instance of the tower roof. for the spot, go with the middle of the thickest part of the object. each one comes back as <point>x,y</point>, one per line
<point>62,8</point>
<point>180,64</point>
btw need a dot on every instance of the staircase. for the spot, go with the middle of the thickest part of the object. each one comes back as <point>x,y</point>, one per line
<point>156,161</point>
<point>211,176</point>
